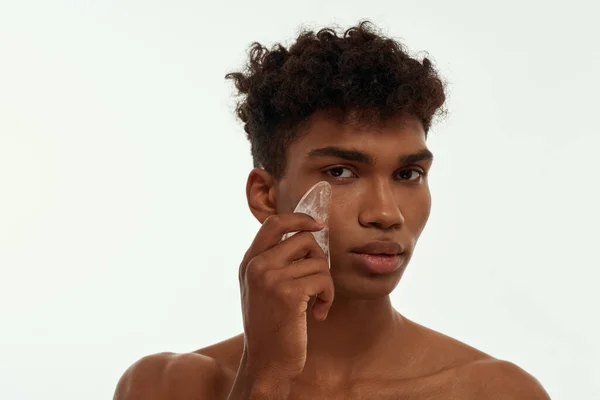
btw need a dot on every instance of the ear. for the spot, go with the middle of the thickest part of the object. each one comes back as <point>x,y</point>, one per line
<point>261,194</point>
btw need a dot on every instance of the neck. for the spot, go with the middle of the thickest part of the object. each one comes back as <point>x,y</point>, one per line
<point>355,335</point>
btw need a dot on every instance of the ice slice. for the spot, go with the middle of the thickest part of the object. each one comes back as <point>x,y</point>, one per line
<point>315,203</point>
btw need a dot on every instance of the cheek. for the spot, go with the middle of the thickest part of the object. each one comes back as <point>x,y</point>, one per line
<point>287,198</point>
<point>285,206</point>
<point>418,211</point>
<point>341,218</point>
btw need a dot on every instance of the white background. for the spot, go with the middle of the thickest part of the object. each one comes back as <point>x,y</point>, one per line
<point>123,217</point>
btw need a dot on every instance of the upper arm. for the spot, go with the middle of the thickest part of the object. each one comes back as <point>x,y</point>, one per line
<point>500,380</point>
<point>167,375</point>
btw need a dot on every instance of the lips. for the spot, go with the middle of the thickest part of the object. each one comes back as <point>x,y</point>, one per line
<point>380,248</point>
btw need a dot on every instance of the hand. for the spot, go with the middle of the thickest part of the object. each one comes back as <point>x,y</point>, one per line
<point>277,280</point>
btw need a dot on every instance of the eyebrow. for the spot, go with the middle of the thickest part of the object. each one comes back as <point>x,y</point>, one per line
<point>363,158</point>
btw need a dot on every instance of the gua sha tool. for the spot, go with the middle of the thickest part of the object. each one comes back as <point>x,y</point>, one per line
<point>315,203</point>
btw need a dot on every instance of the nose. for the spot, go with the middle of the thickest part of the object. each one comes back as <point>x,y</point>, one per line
<point>381,209</point>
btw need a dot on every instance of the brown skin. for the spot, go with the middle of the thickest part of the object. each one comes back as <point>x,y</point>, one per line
<point>363,348</point>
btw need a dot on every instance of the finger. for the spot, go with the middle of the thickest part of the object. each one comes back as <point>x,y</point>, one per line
<point>320,309</point>
<point>287,254</point>
<point>301,245</point>
<point>306,267</point>
<point>276,226</point>
<point>320,285</point>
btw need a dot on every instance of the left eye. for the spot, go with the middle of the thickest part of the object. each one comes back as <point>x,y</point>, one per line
<point>409,174</point>
<point>340,172</point>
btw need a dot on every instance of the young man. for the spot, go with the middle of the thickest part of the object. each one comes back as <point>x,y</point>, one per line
<point>354,110</point>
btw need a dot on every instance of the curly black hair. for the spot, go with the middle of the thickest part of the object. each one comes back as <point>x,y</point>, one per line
<point>358,74</point>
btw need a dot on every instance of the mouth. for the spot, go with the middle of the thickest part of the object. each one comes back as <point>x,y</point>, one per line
<point>380,257</point>
<point>380,248</point>
<point>378,263</point>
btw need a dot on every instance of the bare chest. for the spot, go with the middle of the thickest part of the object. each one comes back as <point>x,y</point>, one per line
<point>441,387</point>
<point>448,384</point>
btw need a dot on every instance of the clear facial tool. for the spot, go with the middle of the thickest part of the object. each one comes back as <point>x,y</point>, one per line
<point>316,202</point>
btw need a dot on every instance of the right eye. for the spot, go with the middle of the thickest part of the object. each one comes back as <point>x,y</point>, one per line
<point>340,173</point>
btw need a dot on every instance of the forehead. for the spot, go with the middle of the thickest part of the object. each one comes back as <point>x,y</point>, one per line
<point>401,134</point>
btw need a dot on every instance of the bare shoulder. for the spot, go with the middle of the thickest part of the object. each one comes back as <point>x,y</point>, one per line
<point>498,380</point>
<point>170,375</point>
<point>228,354</point>
<point>471,373</point>
<point>442,352</point>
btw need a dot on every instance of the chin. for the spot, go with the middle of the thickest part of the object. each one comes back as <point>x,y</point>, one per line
<point>363,287</point>
<point>352,281</point>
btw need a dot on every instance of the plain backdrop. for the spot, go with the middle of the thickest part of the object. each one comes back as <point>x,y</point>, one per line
<point>123,217</point>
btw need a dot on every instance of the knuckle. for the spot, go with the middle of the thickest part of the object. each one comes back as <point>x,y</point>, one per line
<point>287,291</point>
<point>255,268</point>
<point>307,239</point>
<point>272,221</point>
<point>326,280</point>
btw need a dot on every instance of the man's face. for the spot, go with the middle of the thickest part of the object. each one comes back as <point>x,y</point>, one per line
<point>380,193</point>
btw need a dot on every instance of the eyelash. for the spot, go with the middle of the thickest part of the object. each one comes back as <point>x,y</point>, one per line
<point>421,173</point>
